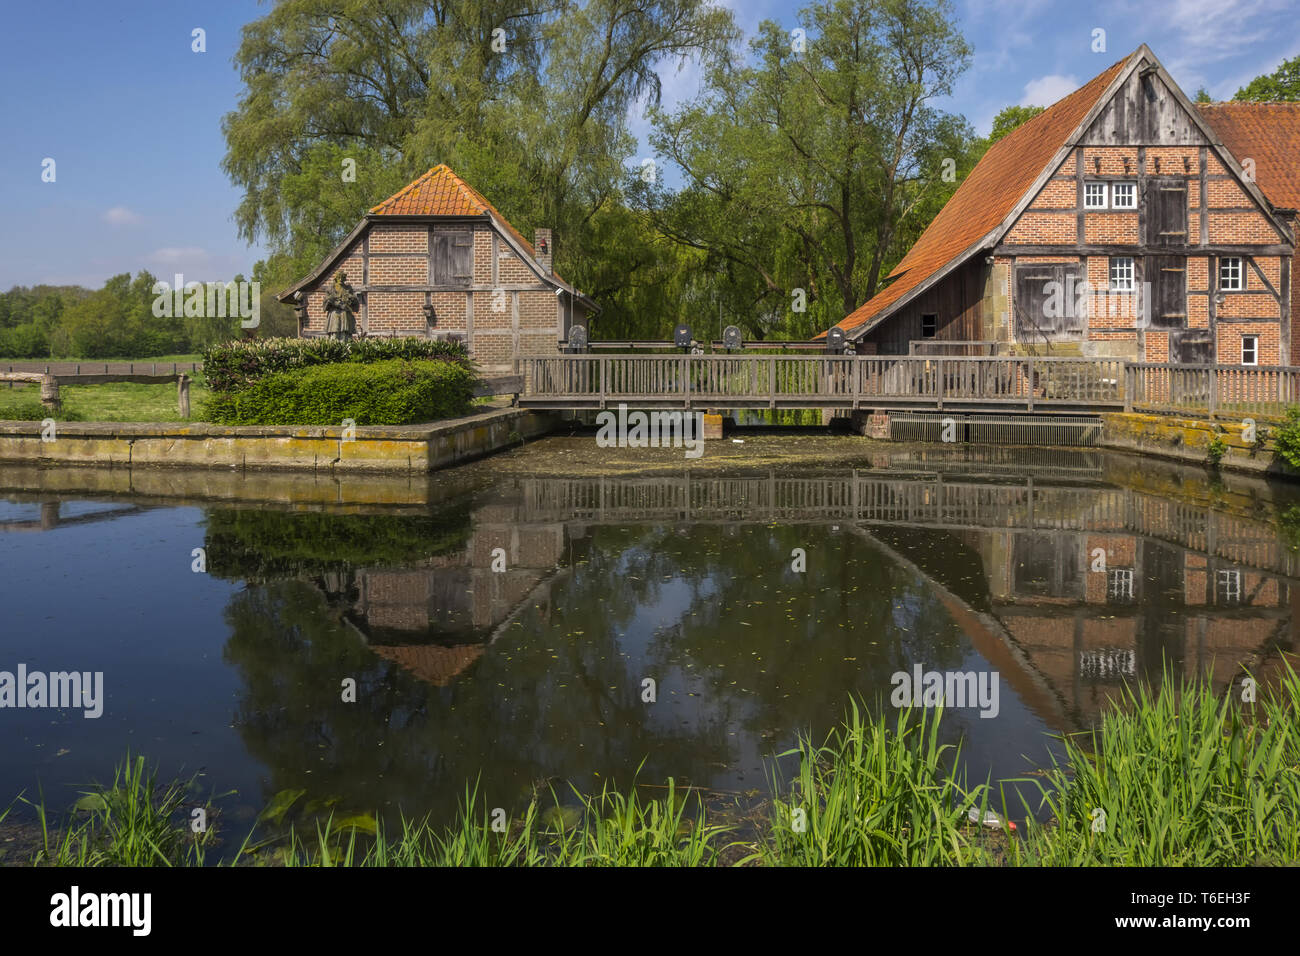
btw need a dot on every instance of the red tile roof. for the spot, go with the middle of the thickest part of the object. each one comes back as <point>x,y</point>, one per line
<point>987,196</point>
<point>1268,133</point>
<point>440,192</point>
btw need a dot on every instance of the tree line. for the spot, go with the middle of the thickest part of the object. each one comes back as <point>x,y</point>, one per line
<point>116,321</point>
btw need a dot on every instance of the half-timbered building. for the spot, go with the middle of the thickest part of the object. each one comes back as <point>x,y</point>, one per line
<point>438,260</point>
<point>1123,221</point>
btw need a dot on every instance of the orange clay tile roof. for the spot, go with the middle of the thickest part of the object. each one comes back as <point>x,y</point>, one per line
<point>440,192</point>
<point>1268,133</point>
<point>436,665</point>
<point>999,180</point>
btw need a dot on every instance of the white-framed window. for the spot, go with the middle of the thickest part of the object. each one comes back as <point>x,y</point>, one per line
<point>1094,195</point>
<point>1229,582</point>
<point>1120,585</point>
<point>1232,274</point>
<point>1250,350</point>
<point>929,326</point>
<point>1122,275</point>
<point>1123,196</point>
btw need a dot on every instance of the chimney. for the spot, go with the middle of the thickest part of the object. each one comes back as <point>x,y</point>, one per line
<point>542,243</point>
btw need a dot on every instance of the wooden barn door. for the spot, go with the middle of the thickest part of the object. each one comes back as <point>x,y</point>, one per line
<point>1168,278</point>
<point>1047,301</point>
<point>1165,205</point>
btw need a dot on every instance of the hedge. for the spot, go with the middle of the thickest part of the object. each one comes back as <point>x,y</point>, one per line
<point>391,392</point>
<point>236,365</point>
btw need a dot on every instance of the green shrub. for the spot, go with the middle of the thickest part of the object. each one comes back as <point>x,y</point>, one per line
<point>237,365</point>
<point>1216,449</point>
<point>1286,437</point>
<point>392,392</point>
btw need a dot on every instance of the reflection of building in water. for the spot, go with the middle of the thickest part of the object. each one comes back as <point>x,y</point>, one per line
<point>435,618</point>
<point>1091,609</point>
<point>1206,591</point>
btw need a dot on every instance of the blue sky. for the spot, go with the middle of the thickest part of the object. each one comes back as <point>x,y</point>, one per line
<point>132,117</point>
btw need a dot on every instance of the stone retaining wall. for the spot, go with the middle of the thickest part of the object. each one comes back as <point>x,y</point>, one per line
<point>408,449</point>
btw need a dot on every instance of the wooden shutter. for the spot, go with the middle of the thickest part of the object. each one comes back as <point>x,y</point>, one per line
<point>460,256</point>
<point>452,259</point>
<point>1191,347</point>
<point>1168,278</point>
<point>1165,207</point>
<point>1047,301</point>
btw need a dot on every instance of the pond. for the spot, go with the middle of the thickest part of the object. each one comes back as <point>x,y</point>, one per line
<point>548,617</point>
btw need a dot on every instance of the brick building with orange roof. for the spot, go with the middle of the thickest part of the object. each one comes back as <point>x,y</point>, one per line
<point>1123,221</point>
<point>438,260</point>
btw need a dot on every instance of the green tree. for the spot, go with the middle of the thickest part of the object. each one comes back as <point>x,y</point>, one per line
<point>1283,84</point>
<point>809,168</point>
<point>1012,117</point>
<point>1203,95</point>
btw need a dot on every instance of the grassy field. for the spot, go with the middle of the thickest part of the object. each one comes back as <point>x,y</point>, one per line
<point>116,402</point>
<point>1177,778</point>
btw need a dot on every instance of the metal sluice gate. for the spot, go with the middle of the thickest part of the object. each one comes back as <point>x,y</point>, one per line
<point>1039,429</point>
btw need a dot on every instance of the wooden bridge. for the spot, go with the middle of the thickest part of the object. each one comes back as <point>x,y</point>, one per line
<point>970,383</point>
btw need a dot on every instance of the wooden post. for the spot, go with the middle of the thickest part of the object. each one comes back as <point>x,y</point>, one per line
<point>604,360</point>
<point>1130,383</point>
<point>183,394</point>
<point>50,392</point>
<point>1031,384</point>
<point>1214,388</point>
<point>938,382</point>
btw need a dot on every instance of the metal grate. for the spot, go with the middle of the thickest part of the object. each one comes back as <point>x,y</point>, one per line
<point>1038,429</point>
<point>1107,663</point>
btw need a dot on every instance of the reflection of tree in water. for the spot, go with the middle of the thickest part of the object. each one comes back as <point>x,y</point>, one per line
<point>516,716</point>
<point>258,545</point>
<point>745,651</point>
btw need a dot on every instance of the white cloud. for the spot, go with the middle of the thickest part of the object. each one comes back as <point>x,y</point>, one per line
<point>1046,90</point>
<point>172,255</point>
<point>121,216</point>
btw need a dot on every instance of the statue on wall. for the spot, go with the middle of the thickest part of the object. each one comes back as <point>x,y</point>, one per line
<point>341,306</point>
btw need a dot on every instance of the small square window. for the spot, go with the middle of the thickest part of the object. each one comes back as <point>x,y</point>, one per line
<point>1121,274</point>
<point>1123,196</point>
<point>1231,274</point>
<point>1250,350</point>
<point>1094,195</point>
<point>1120,584</point>
<point>1229,586</point>
<point>929,326</point>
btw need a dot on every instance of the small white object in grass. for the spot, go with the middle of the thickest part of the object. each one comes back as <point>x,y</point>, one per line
<point>991,819</point>
<point>738,441</point>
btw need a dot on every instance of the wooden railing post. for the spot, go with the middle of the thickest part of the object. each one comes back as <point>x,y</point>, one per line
<point>1130,385</point>
<point>50,392</point>
<point>1030,375</point>
<point>604,365</point>
<point>1213,372</point>
<point>183,395</point>
<point>938,382</point>
<point>686,367</point>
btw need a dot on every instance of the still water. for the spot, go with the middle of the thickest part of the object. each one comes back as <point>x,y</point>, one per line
<point>502,621</point>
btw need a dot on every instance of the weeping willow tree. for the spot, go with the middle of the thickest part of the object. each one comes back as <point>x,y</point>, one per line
<point>346,101</point>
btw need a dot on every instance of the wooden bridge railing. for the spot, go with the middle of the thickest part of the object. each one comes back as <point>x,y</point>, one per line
<point>1212,389</point>
<point>790,381</point>
<point>897,381</point>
